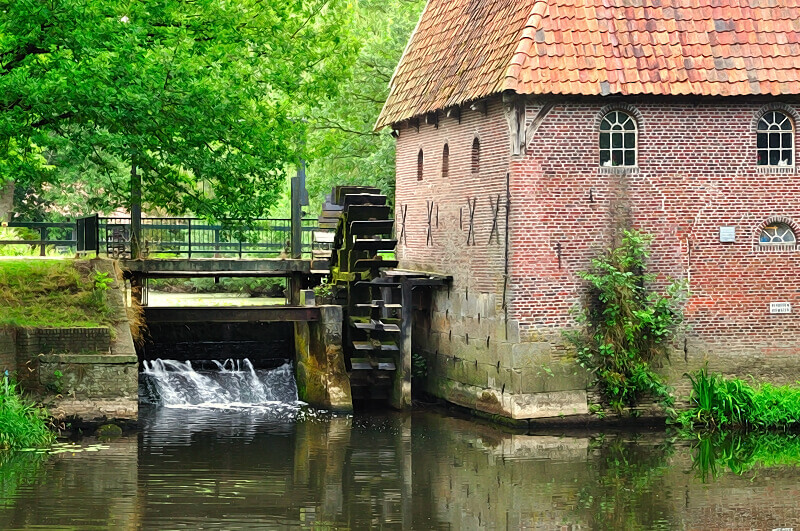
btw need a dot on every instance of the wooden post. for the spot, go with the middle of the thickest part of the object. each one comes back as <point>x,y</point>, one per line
<point>401,393</point>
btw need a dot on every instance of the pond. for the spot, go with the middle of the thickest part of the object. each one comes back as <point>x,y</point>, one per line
<point>280,465</point>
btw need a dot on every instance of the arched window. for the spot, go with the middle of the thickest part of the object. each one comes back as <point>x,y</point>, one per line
<point>777,233</point>
<point>476,156</point>
<point>775,139</point>
<point>618,139</point>
<point>419,165</point>
<point>445,161</point>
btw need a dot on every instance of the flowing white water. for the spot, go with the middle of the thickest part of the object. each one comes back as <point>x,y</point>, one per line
<point>234,383</point>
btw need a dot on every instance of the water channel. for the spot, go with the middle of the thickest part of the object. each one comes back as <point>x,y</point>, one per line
<point>225,446</point>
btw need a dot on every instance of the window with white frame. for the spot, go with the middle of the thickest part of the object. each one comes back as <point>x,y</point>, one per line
<point>775,139</point>
<point>618,139</point>
<point>777,233</point>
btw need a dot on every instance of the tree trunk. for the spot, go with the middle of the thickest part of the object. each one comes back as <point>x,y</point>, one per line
<point>136,212</point>
<point>6,200</point>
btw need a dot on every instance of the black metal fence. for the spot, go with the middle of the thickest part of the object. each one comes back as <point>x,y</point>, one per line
<point>29,236</point>
<point>166,237</point>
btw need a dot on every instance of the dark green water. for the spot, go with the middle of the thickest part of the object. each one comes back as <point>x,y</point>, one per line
<point>252,469</point>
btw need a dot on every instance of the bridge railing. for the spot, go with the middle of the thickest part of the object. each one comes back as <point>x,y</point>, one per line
<point>167,237</point>
<point>28,238</point>
<point>196,238</point>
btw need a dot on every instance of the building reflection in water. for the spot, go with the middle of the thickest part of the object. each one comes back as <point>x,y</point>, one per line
<point>289,468</point>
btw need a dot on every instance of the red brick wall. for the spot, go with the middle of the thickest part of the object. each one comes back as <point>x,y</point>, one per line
<point>478,268</point>
<point>697,172</point>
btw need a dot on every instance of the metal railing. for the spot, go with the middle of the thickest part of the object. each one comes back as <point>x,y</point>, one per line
<point>59,235</point>
<point>173,237</point>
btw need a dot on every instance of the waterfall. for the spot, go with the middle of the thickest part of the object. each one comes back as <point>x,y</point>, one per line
<point>231,383</point>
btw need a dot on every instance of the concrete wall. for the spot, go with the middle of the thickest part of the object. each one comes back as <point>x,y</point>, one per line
<point>321,375</point>
<point>90,373</point>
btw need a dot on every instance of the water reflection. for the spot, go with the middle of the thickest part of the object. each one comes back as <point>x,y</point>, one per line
<point>253,468</point>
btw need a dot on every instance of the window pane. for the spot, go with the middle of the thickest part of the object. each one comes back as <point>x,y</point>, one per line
<point>761,140</point>
<point>762,157</point>
<point>616,140</point>
<point>786,140</point>
<point>630,157</point>
<point>786,124</point>
<point>616,158</point>
<point>629,125</point>
<point>605,140</point>
<point>604,125</point>
<point>605,156</point>
<point>630,140</point>
<point>786,157</point>
<point>774,140</point>
<point>774,157</point>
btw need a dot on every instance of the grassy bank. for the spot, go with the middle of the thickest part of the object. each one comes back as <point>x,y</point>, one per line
<point>52,293</point>
<point>719,403</point>
<point>22,424</point>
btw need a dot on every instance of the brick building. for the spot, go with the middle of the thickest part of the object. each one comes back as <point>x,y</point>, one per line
<point>676,117</point>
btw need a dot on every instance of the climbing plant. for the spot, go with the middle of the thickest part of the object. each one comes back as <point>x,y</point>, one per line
<point>627,325</point>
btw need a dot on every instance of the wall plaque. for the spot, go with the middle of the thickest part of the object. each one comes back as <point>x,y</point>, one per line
<point>780,307</point>
<point>727,234</point>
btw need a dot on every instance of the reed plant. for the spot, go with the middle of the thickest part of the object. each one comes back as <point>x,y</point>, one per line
<point>718,403</point>
<point>22,424</point>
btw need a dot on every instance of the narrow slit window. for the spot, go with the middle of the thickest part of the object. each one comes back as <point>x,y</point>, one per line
<point>618,139</point>
<point>476,156</point>
<point>445,161</point>
<point>775,140</point>
<point>777,234</point>
<point>419,165</point>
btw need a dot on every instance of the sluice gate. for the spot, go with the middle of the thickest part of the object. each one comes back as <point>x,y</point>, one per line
<point>357,347</point>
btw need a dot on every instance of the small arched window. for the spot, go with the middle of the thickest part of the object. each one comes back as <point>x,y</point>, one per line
<point>419,165</point>
<point>777,233</point>
<point>618,139</point>
<point>476,156</point>
<point>445,161</point>
<point>775,140</point>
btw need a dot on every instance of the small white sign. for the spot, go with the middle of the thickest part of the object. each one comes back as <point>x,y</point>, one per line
<point>727,234</point>
<point>780,307</point>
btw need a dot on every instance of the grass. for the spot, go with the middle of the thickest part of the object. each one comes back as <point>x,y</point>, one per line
<point>52,293</point>
<point>719,403</point>
<point>22,424</point>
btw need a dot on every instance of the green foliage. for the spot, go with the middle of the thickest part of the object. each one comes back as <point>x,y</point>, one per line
<point>741,452</point>
<point>207,99</point>
<point>56,383</point>
<point>627,326</point>
<point>22,425</point>
<point>419,365</point>
<point>50,293</point>
<point>324,291</point>
<point>730,403</point>
<point>346,148</point>
<point>255,287</point>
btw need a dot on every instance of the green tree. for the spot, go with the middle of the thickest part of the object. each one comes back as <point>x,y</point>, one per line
<point>347,149</point>
<point>204,99</point>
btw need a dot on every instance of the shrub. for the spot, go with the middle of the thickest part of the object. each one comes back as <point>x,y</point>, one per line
<point>627,327</point>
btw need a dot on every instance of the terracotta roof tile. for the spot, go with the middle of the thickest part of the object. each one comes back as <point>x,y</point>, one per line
<point>463,50</point>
